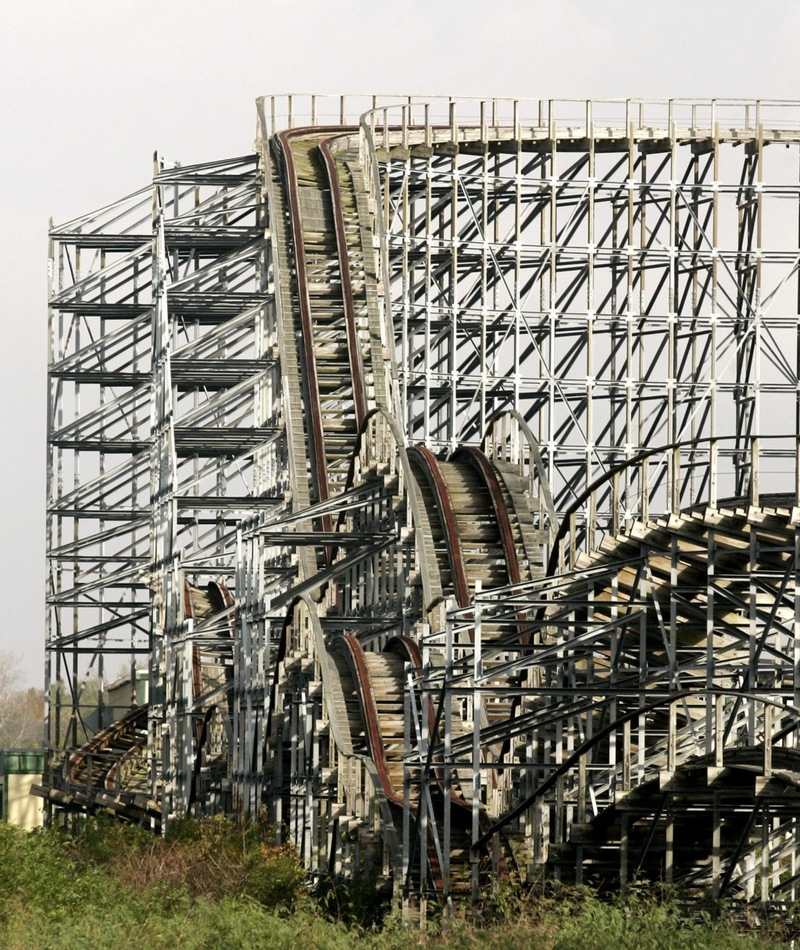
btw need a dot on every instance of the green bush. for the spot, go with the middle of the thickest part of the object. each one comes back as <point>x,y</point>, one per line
<point>212,885</point>
<point>212,858</point>
<point>38,875</point>
<point>356,904</point>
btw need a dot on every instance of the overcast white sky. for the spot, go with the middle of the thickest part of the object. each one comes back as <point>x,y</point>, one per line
<point>91,89</point>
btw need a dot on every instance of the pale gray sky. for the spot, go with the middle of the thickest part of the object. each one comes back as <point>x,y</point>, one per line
<point>90,89</point>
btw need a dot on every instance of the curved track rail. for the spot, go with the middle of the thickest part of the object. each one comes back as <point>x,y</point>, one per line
<point>336,394</point>
<point>620,652</point>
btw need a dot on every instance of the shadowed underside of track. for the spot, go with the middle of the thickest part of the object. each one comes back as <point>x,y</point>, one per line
<point>684,768</point>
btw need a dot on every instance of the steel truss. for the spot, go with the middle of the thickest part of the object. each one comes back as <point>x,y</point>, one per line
<point>623,718</point>
<point>438,464</point>
<point>153,463</point>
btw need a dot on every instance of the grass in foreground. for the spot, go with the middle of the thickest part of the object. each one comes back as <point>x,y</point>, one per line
<point>213,886</point>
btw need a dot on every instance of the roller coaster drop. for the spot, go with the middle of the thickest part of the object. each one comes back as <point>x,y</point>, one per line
<point>352,444</point>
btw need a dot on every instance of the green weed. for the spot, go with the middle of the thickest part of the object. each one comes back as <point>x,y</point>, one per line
<point>213,885</point>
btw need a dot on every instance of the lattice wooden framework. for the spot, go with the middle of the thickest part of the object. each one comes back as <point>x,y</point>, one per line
<point>439,464</point>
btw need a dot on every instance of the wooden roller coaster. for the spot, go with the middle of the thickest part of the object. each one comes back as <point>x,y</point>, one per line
<point>442,533</point>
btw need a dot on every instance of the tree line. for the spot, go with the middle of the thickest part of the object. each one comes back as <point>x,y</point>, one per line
<point>21,708</point>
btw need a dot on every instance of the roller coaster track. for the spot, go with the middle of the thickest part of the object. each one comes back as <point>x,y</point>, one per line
<point>671,582</point>
<point>469,501</point>
<point>331,360</point>
<point>111,770</point>
<point>376,689</point>
<point>430,671</point>
<point>333,356</point>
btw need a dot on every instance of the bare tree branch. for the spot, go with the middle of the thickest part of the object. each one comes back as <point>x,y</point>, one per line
<point>21,710</point>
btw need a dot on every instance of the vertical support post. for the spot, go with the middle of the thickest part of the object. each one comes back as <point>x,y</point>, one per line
<point>672,737</point>
<point>626,756</point>
<point>719,731</point>
<point>447,699</point>
<point>669,850</point>
<point>675,481</point>
<point>711,709</point>
<point>623,852</point>
<point>426,818</point>
<point>754,490</point>
<point>766,822</point>
<point>165,684</point>
<point>796,622</point>
<point>716,840</point>
<point>407,713</point>
<point>477,714</point>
